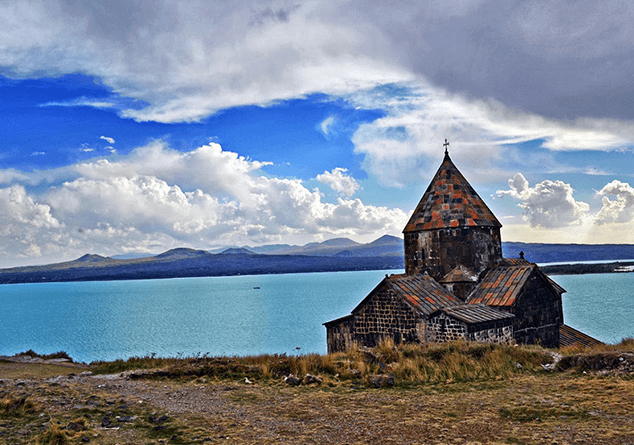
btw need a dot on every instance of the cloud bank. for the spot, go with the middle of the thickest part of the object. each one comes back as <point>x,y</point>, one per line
<point>189,59</point>
<point>157,198</point>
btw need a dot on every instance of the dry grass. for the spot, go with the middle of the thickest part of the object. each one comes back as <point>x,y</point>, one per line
<point>451,393</point>
<point>410,364</point>
<point>12,406</point>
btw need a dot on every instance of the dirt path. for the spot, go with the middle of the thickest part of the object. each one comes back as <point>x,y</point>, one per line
<point>546,409</point>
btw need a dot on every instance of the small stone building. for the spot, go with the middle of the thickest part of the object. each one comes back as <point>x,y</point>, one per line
<point>456,284</point>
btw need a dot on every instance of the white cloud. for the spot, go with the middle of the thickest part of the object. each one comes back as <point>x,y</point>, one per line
<point>38,153</point>
<point>107,139</point>
<point>339,181</point>
<point>399,146</point>
<point>156,198</point>
<point>26,226</point>
<point>549,204</point>
<point>326,125</point>
<point>619,210</point>
<point>80,102</point>
<point>188,60</point>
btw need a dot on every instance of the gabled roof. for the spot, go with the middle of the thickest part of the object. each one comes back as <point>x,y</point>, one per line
<point>421,292</point>
<point>476,313</point>
<point>460,274</point>
<point>513,262</point>
<point>521,261</point>
<point>569,337</point>
<point>502,285</point>
<point>450,201</point>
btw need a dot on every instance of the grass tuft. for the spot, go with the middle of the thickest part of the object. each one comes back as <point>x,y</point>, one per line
<point>11,406</point>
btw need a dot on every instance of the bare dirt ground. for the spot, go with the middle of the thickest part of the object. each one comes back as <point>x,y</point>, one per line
<point>53,403</point>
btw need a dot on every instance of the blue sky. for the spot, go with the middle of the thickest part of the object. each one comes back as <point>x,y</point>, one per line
<point>130,127</point>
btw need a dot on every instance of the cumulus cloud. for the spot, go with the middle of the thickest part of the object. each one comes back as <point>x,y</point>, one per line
<point>549,204</point>
<point>617,210</point>
<point>26,226</point>
<point>107,139</point>
<point>156,198</point>
<point>339,181</point>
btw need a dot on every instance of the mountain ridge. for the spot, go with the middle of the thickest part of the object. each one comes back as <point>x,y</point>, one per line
<point>341,254</point>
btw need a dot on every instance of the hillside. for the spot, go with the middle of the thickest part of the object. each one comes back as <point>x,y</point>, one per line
<point>340,254</point>
<point>179,263</point>
<point>456,393</point>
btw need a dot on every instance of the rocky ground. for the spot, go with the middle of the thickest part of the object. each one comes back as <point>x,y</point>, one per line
<point>60,402</point>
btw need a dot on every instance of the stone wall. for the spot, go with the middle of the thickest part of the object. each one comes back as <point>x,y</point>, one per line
<point>442,328</point>
<point>385,315</point>
<point>538,314</point>
<point>339,334</point>
<point>440,250</point>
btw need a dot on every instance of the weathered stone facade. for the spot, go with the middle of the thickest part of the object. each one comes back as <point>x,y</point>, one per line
<point>438,251</point>
<point>538,314</point>
<point>384,315</point>
<point>443,328</point>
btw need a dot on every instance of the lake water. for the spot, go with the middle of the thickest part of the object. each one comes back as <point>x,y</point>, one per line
<point>229,316</point>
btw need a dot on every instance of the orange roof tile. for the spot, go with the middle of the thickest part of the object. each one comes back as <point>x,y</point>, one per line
<point>501,285</point>
<point>450,201</point>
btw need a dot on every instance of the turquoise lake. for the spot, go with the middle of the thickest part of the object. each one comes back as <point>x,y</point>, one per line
<point>229,316</point>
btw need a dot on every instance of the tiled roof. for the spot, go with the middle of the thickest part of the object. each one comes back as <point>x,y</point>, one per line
<point>337,321</point>
<point>501,285</point>
<point>513,261</point>
<point>569,337</point>
<point>476,313</point>
<point>460,274</point>
<point>450,201</point>
<point>422,292</point>
<point>560,290</point>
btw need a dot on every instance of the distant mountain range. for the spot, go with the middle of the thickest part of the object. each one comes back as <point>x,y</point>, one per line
<point>339,254</point>
<point>386,245</point>
<point>332,255</point>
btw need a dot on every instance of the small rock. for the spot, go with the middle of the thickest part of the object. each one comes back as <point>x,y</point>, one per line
<point>247,381</point>
<point>85,374</point>
<point>309,378</point>
<point>292,380</point>
<point>381,380</point>
<point>75,427</point>
<point>518,365</point>
<point>126,418</point>
<point>159,419</point>
<point>85,439</point>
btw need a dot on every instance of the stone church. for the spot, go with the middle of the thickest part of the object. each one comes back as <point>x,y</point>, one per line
<point>456,283</point>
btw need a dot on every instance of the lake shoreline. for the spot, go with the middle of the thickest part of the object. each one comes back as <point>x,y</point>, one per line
<point>589,268</point>
<point>25,276</point>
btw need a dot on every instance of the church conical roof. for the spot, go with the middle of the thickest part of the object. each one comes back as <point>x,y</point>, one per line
<point>450,201</point>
